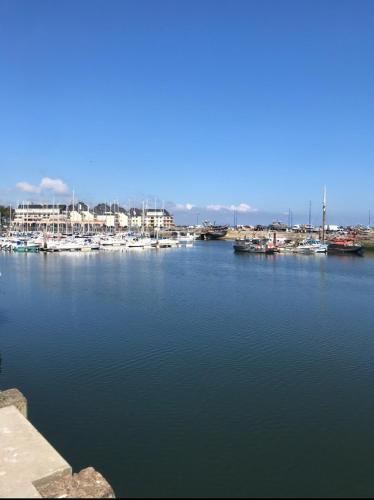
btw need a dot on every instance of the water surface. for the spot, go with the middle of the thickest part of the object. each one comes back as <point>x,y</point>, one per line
<point>197,371</point>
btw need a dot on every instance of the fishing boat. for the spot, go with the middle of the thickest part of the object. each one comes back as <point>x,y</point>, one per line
<point>216,232</point>
<point>25,246</point>
<point>254,245</point>
<point>339,246</point>
<point>311,246</point>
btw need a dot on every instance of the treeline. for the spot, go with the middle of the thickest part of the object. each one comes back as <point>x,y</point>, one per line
<point>4,212</point>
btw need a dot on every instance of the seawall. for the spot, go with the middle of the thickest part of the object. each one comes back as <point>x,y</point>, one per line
<point>366,240</point>
<point>29,465</point>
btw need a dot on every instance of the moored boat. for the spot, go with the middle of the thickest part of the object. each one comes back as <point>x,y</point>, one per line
<point>254,245</point>
<point>340,246</point>
<point>216,232</point>
<point>165,243</point>
<point>25,247</point>
<point>183,238</point>
<point>311,246</point>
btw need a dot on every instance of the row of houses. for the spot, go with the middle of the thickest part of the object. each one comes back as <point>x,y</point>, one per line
<point>39,217</point>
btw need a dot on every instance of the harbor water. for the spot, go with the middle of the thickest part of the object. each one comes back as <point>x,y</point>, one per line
<point>197,371</point>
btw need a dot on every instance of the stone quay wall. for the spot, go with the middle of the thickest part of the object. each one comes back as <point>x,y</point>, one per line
<point>30,467</point>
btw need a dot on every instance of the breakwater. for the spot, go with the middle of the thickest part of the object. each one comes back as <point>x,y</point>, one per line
<point>367,241</point>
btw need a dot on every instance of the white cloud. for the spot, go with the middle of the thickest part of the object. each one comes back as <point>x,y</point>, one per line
<point>241,208</point>
<point>27,188</point>
<point>183,206</point>
<point>57,186</point>
<point>215,208</point>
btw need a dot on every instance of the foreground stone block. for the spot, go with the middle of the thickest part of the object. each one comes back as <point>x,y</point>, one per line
<point>26,458</point>
<point>87,484</point>
<point>30,467</point>
<point>13,397</point>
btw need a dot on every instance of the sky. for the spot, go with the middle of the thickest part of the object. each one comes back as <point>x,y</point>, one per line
<point>205,107</point>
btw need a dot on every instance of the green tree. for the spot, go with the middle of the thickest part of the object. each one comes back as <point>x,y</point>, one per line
<point>4,213</point>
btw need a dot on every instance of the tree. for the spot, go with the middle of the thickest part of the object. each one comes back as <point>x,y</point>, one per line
<point>4,212</point>
<point>4,215</point>
<point>102,209</point>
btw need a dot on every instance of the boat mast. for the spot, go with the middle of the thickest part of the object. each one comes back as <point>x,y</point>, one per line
<point>73,209</point>
<point>53,216</point>
<point>310,219</point>
<point>143,217</point>
<point>324,206</point>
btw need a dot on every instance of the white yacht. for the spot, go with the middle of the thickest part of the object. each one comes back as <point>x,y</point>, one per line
<point>311,246</point>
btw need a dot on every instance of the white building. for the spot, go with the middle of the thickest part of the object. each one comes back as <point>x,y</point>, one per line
<point>75,217</point>
<point>32,216</point>
<point>122,220</point>
<point>158,218</point>
<point>48,217</point>
<point>88,217</point>
<point>135,218</point>
<point>110,220</point>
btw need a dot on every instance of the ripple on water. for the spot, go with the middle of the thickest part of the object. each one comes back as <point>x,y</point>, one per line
<point>206,372</point>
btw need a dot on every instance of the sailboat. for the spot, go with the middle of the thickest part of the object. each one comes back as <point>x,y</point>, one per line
<point>311,245</point>
<point>339,245</point>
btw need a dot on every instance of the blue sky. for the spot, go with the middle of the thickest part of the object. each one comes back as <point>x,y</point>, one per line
<point>240,103</point>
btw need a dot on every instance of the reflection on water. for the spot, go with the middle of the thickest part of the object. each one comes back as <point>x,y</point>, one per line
<point>198,371</point>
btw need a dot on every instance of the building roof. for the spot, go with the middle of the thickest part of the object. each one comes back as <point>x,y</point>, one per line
<point>153,210</point>
<point>40,206</point>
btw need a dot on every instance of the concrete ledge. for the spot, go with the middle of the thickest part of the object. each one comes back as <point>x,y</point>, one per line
<point>30,467</point>
<point>26,457</point>
<point>87,484</point>
<point>13,397</point>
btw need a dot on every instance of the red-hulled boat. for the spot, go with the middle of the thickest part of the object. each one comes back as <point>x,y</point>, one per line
<point>345,246</point>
